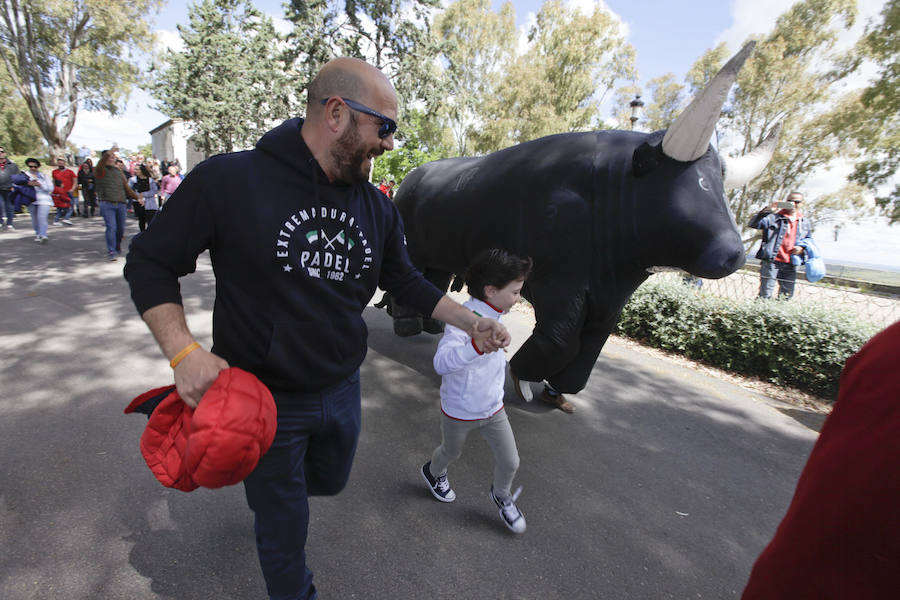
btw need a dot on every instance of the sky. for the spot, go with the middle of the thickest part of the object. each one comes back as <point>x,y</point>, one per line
<point>668,36</point>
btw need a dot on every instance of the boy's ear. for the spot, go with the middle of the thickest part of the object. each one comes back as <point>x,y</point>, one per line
<point>490,290</point>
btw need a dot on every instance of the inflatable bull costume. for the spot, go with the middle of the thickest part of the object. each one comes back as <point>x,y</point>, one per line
<point>597,211</point>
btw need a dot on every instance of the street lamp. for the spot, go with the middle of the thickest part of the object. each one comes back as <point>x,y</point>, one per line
<point>636,106</point>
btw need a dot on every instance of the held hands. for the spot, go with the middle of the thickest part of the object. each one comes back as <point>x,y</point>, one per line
<point>489,335</point>
<point>195,373</point>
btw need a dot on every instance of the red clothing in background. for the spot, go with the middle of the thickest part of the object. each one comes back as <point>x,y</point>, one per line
<point>65,177</point>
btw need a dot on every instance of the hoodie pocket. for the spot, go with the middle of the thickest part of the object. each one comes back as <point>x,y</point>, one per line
<point>315,351</point>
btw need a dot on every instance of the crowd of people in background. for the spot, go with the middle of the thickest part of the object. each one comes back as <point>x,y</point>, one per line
<point>115,187</point>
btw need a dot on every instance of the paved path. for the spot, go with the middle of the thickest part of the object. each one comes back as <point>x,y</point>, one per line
<point>665,484</point>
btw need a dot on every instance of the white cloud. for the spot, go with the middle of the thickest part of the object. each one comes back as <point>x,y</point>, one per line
<point>282,25</point>
<point>169,40</point>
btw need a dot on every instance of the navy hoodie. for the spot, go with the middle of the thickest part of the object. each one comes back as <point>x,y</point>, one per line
<point>296,258</point>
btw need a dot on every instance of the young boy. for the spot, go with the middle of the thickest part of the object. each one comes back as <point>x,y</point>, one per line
<point>472,386</point>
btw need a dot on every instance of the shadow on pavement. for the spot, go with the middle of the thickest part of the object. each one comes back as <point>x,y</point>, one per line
<point>657,487</point>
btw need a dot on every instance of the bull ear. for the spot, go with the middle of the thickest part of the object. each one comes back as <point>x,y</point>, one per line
<point>739,171</point>
<point>646,157</point>
<point>688,137</point>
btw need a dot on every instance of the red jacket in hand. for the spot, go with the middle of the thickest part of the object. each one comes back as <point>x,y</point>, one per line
<point>214,445</point>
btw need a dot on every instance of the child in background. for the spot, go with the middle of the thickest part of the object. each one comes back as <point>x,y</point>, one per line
<point>63,203</point>
<point>472,386</point>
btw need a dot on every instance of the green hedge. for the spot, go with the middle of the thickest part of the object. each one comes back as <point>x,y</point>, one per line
<point>784,342</point>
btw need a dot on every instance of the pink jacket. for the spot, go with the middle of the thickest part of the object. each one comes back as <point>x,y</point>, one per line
<point>169,184</point>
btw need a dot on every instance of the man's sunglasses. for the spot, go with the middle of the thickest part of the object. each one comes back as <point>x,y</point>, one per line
<point>388,125</point>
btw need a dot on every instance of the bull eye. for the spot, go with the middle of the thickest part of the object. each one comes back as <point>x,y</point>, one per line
<point>702,183</point>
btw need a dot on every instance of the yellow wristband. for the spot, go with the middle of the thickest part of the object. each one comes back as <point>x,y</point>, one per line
<point>184,352</point>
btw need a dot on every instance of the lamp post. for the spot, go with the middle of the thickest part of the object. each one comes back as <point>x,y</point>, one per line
<point>636,106</point>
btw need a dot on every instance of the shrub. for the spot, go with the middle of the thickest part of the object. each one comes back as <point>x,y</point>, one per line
<point>784,342</point>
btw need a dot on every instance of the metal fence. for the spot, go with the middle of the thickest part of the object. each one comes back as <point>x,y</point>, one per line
<point>878,309</point>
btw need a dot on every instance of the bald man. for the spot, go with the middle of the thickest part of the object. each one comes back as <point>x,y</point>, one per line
<point>299,240</point>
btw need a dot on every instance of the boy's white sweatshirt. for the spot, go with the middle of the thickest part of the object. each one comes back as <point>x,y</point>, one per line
<point>471,383</point>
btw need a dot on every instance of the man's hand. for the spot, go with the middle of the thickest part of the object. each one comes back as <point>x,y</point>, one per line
<point>798,250</point>
<point>196,373</point>
<point>489,335</point>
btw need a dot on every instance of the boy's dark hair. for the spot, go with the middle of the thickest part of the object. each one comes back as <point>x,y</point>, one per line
<point>497,268</point>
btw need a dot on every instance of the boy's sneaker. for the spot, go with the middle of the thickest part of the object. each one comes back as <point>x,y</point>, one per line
<point>439,486</point>
<point>66,222</point>
<point>510,514</point>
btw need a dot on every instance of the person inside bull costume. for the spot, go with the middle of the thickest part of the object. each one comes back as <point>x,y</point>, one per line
<point>597,212</point>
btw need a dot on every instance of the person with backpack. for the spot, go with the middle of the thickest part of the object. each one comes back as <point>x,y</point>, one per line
<point>146,206</point>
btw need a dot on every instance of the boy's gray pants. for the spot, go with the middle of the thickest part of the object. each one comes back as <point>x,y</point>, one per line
<point>496,431</point>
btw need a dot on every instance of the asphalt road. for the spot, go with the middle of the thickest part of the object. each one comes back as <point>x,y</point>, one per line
<point>666,483</point>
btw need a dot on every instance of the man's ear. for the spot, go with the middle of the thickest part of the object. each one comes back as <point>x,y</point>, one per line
<point>333,114</point>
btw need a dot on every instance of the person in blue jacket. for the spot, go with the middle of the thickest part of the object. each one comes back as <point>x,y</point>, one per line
<point>299,241</point>
<point>782,230</point>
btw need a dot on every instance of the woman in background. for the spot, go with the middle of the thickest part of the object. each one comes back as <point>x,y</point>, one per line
<point>86,182</point>
<point>34,184</point>
<point>143,184</point>
<point>112,190</point>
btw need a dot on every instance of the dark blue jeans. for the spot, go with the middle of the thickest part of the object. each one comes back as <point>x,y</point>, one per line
<point>6,208</point>
<point>311,456</point>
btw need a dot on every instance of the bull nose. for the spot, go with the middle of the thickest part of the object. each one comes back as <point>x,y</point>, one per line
<point>722,258</point>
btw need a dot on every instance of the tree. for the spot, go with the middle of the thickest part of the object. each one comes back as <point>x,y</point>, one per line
<point>878,132</point>
<point>666,99</point>
<point>394,36</point>
<point>312,41</point>
<point>788,78</point>
<point>422,143</point>
<point>475,44</point>
<point>228,81</point>
<point>17,129</point>
<point>573,60</point>
<point>62,55</point>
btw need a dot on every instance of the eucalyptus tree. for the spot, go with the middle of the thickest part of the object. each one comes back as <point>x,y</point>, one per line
<point>476,45</point>
<point>227,81</point>
<point>878,113</point>
<point>572,61</point>
<point>663,101</point>
<point>791,79</point>
<point>62,55</point>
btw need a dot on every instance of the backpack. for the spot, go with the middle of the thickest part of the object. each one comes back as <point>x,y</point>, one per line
<point>141,185</point>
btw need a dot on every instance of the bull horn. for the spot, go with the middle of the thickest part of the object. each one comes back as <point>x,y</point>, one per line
<point>740,170</point>
<point>688,137</point>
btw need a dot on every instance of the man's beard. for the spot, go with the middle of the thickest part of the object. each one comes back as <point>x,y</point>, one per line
<point>349,154</point>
